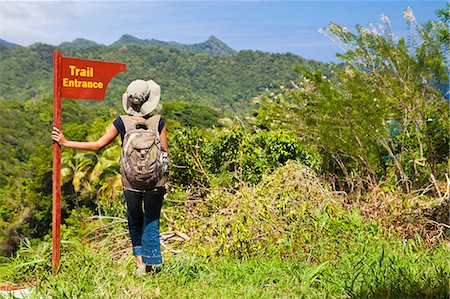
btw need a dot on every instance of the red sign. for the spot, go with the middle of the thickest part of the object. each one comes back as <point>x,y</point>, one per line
<point>86,79</point>
<point>77,79</point>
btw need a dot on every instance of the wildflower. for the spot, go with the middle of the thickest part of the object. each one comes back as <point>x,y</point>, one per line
<point>349,72</point>
<point>365,31</point>
<point>408,14</point>
<point>385,19</point>
<point>374,30</point>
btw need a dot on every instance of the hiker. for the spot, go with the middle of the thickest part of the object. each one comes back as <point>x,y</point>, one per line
<point>144,201</point>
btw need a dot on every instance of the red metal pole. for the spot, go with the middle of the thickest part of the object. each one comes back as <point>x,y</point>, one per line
<point>56,185</point>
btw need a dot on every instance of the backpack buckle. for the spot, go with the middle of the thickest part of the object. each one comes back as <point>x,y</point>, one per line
<point>141,125</point>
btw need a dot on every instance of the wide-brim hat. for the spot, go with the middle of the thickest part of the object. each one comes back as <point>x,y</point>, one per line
<point>141,97</point>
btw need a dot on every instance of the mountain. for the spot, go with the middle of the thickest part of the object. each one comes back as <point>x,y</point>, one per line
<point>7,45</point>
<point>226,82</point>
<point>212,46</point>
<point>79,43</point>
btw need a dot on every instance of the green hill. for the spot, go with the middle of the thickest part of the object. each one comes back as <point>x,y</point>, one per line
<point>79,43</point>
<point>212,46</point>
<point>227,83</point>
<point>7,45</point>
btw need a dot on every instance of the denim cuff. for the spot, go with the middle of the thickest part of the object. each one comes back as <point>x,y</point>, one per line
<point>137,250</point>
<point>152,257</point>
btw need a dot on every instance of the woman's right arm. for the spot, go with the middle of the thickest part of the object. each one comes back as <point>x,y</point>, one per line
<point>106,139</point>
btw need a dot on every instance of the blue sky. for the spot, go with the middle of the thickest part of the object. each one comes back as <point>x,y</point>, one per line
<point>269,26</point>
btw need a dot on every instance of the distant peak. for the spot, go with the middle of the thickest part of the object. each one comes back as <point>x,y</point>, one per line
<point>8,45</point>
<point>218,47</point>
<point>213,38</point>
<point>79,43</point>
<point>212,46</point>
<point>126,36</point>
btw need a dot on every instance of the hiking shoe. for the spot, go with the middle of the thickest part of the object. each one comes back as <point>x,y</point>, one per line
<point>153,269</point>
<point>140,270</point>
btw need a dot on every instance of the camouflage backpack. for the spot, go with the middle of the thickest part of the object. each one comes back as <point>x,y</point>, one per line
<point>141,161</point>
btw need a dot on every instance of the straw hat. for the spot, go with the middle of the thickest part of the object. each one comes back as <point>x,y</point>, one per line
<point>141,97</point>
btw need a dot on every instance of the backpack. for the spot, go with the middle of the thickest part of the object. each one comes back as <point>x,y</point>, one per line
<point>141,160</point>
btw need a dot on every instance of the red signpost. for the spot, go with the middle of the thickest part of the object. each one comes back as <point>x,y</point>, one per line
<point>77,79</point>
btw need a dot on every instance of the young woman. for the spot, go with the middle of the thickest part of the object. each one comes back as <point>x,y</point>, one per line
<point>143,206</point>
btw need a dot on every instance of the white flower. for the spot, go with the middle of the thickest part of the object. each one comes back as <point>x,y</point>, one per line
<point>374,30</point>
<point>385,19</point>
<point>349,72</point>
<point>365,31</point>
<point>408,14</point>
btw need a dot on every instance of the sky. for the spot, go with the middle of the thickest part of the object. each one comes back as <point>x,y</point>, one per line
<point>269,26</point>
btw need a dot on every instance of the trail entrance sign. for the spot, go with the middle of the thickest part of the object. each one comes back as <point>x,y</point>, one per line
<point>77,79</point>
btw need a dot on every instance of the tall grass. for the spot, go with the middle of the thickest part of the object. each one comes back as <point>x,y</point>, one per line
<point>374,269</point>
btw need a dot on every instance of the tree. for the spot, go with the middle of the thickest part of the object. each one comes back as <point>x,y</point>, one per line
<point>384,111</point>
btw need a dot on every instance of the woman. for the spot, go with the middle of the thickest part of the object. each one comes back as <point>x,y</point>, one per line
<point>143,206</point>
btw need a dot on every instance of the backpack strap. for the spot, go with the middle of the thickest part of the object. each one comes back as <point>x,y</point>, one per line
<point>153,122</point>
<point>130,123</point>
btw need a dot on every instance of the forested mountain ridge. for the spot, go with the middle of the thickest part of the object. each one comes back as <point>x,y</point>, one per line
<point>7,45</point>
<point>224,82</point>
<point>212,46</point>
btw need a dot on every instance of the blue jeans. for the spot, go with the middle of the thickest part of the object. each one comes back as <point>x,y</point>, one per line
<point>143,212</point>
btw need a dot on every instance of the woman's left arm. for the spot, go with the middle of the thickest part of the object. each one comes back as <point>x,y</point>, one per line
<point>165,145</point>
<point>164,142</point>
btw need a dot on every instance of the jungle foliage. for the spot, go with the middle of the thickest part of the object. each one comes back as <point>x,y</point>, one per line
<point>225,83</point>
<point>384,115</point>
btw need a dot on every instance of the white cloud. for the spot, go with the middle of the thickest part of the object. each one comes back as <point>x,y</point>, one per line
<point>27,22</point>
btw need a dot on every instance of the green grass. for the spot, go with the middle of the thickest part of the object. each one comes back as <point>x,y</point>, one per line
<point>375,270</point>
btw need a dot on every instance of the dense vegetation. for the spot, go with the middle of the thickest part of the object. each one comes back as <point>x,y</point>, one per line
<point>214,85</point>
<point>334,183</point>
<point>226,82</point>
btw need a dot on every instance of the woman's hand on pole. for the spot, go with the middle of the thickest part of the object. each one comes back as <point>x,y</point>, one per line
<point>58,136</point>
